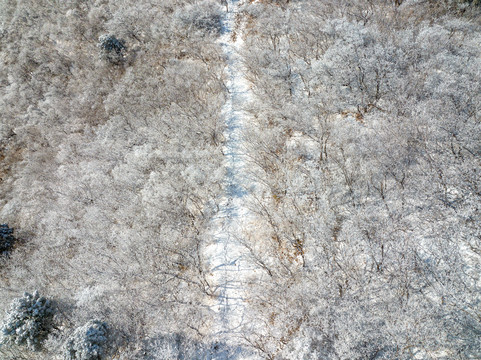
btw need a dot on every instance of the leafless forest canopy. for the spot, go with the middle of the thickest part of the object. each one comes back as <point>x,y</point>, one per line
<point>363,140</point>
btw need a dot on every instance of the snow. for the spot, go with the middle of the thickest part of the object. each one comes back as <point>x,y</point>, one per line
<point>230,269</point>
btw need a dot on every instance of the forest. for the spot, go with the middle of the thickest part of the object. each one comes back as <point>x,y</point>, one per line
<point>240,179</point>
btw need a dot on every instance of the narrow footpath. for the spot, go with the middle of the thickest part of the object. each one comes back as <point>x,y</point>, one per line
<point>230,269</point>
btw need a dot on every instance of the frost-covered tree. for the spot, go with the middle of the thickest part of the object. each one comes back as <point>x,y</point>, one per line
<point>205,16</point>
<point>88,342</point>
<point>28,321</point>
<point>364,180</point>
<point>126,160</point>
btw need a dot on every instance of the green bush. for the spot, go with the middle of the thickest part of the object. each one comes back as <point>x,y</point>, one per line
<point>28,321</point>
<point>112,49</point>
<point>6,239</point>
<point>87,342</point>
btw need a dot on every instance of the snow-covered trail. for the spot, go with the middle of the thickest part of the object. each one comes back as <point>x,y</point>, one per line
<point>230,269</point>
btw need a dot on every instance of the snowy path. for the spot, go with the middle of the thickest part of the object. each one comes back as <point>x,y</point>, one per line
<point>229,266</point>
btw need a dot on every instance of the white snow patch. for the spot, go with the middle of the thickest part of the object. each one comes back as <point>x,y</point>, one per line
<point>229,267</point>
